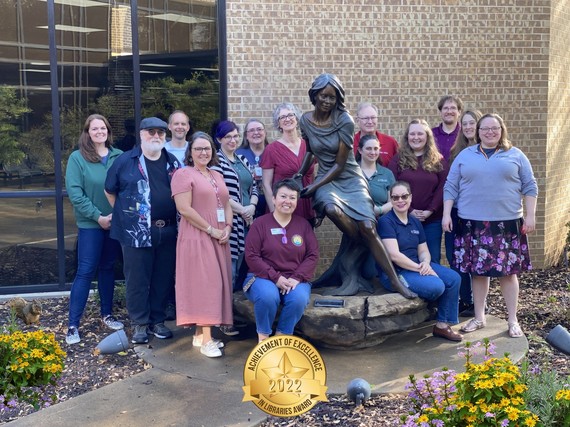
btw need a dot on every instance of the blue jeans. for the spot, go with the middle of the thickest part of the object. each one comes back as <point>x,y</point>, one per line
<point>266,299</point>
<point>443,288</point>
<point>465,293</point>
<point>433,232</point>
<point>96,251</point>
<point>149,275</point>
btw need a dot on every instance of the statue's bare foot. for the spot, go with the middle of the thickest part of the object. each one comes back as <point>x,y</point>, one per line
<point>404,291</point>
<point>409,294</point>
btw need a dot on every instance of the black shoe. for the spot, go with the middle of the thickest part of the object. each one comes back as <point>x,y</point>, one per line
<point>170,312</point>
<point>468,310</point>
<point>161,331</point>
<point>140,334</point>
<point>230,331</point>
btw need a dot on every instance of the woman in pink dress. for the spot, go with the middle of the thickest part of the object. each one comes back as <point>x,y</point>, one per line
<point>283,157</point>
<point>203,262</point>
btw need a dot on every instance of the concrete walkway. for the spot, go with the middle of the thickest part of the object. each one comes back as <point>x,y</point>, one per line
<point>184,388</point>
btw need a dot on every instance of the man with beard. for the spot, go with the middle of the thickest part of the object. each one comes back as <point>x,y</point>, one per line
<point>450,107</point>
<point>138,180</point>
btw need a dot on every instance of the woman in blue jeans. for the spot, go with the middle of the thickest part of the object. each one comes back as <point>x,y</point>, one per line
<point>96,251</point>
<point>405,241</point>
<point>282,252</point>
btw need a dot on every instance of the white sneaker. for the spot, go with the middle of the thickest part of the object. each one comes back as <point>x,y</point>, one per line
<point>197,341</point>
<point>112,323</point>
<point>72,336</point>
<point>210,349</point>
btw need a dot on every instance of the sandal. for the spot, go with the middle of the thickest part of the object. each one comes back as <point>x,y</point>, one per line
<point>473,325</point>
<point>515,330</point>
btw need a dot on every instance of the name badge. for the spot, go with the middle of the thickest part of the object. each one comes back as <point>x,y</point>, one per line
<point>275,231</point>
<point>221,215</point>
<point>258,171</point>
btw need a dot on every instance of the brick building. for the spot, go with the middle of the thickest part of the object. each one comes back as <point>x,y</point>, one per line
<point>505,56</point>
<point>239,58</point>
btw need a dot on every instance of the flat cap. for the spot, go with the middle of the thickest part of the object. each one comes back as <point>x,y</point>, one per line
<point>153,123</point>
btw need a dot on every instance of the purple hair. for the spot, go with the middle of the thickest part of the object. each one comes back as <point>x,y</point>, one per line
<point>224,128</point>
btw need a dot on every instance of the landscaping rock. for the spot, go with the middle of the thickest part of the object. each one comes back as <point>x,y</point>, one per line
<point>364,320</point>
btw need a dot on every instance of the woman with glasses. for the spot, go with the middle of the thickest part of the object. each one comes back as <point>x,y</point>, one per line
<point>489,182</point>
<point>283,157</point>
<point>405,240</point>
<point>252,148</point>
<point>243,194</point>
<point>282,252</point>
<point>203,286</point>
<point>96,251</point>
<point>380,179</point>
<point>419,163</point>
<point>242,187</point>
<point>465,138</point>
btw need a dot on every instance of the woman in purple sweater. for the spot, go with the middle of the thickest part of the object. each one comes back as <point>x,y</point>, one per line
<point>281,251</point>
<point>419,163</point>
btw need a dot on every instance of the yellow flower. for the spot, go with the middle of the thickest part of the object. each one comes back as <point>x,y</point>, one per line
<point>531,422</point>
<point>464,376</point>
<point>423,419</point>
<point>512,413</point>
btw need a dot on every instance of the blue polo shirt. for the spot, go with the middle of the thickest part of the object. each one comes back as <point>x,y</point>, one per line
<point>409,235</point>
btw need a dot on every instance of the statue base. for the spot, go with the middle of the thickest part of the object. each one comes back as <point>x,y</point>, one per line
<point>365,320</point>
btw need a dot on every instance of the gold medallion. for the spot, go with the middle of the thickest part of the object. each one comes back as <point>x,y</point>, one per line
<point>284,376</point>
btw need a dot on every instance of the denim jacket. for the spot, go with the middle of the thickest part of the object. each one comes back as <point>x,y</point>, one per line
<point>127,179</point>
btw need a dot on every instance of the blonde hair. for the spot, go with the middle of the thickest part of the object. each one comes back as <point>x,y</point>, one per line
<point>431,157</point>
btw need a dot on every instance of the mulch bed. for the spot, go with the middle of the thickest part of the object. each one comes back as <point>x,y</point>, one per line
<point>544,303</point>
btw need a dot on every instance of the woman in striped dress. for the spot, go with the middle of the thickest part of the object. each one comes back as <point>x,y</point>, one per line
<point>242,187</point>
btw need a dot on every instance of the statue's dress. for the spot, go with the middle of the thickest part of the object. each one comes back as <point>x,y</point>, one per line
<point>349,191</point>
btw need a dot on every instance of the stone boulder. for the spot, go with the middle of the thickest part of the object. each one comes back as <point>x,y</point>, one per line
<point>365,320</point>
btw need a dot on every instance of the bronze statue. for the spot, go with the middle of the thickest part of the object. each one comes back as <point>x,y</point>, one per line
<point>340,190</point>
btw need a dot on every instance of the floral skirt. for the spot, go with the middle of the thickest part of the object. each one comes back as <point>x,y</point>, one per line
<point>491,248</point>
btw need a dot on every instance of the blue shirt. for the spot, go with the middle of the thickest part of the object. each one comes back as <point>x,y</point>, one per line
<point>408,236</point>
<point>490,189</point>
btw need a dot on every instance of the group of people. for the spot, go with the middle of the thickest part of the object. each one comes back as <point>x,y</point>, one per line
<point>191,216</point>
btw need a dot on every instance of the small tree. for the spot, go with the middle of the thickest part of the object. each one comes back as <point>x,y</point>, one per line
<point>11,109</point>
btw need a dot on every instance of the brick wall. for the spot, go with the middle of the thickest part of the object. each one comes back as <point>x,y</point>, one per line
<point>499,56</point>
<point>557,182</point>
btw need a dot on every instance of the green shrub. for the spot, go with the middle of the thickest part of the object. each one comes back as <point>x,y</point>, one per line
<point>28,362</point>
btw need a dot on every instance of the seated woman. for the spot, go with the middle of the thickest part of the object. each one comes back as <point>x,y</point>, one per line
<point>405,241</point>
<point>281,251</point>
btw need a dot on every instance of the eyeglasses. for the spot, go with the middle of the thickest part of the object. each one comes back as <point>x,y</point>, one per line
<point>368,119</point>
<point>231,137</point>
<point>284,237</point>
<point>404,197</point>
<point>289,116</point>
<point>153,132</point>
<point>256,130</point>
<point>492,129</point>
<point>202,149</point>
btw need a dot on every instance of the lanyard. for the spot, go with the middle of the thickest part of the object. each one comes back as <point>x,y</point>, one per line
<point>214,185</point>
<point>485,154</point>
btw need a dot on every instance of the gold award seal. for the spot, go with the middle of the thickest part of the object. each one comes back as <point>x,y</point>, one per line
<point>284,376</point>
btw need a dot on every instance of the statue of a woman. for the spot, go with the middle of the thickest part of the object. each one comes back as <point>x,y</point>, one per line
<point>340,190</point>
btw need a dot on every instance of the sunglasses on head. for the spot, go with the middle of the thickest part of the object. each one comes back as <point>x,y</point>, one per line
<point>404,197</point>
